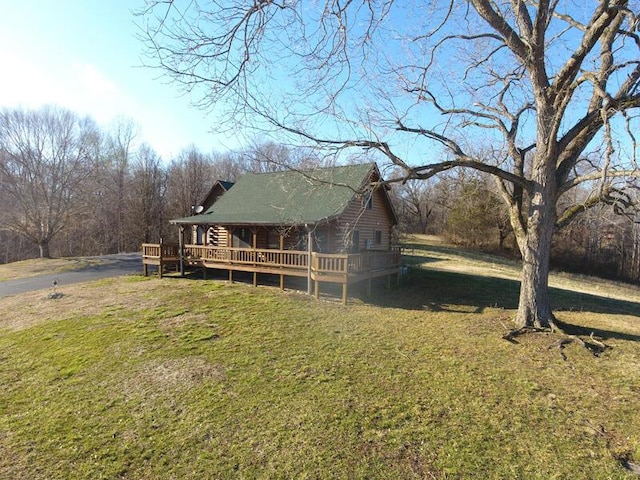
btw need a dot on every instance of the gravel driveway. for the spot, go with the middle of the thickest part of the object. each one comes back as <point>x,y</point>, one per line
<point>110,266</point>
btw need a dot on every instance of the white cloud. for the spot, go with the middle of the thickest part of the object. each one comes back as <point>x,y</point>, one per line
<point>89,91</point>
<point>82,88</point>
<point>23,83</point>
<point>166,124</point>
<point>78,86</point>
<point>93,80</point>
<point>61,61</point>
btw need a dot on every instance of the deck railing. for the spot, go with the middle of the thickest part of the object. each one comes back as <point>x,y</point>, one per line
<point>321,263</point>
<point>160,250</point>
<point>247,256</point>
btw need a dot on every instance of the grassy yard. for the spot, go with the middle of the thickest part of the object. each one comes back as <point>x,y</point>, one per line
<point>146,378</point>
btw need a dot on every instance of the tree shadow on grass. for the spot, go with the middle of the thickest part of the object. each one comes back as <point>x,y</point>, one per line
<point>417,260</point>
<point>435,290</point>
<point>579,330</point>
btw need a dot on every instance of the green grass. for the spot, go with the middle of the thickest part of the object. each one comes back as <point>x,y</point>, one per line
<point>146,378</point>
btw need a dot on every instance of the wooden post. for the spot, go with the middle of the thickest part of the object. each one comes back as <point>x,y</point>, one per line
<point>344,293</point>
<point>145,268</point>
<point>254,244</point>
<point>317,290</point>
<point>280,262</point>
<point>180,250</point>
<point>309,250</point>
<point>160,261</point>
<point>230,276</point>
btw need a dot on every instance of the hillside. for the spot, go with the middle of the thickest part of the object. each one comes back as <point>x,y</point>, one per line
<point>146,378</point>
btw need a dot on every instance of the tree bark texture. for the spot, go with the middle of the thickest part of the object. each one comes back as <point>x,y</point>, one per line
<point>534,307</point>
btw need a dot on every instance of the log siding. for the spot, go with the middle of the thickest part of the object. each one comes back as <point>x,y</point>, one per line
<point>367,221</point>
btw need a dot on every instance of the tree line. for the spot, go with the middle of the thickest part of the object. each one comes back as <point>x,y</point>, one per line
<point>465,208</point>
<point>71,188</point>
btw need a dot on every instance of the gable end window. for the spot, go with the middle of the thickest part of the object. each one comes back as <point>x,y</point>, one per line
<point>368,201</point>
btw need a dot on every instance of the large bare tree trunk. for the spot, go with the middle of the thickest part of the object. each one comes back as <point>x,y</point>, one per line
<point>534,308</point>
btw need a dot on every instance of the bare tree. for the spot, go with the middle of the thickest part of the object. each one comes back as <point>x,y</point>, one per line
<point>45,157</point>
<point>543,82</point>
<point>413,205</point>
<point>189,178</point>
<point>146,190</point>
<point>117,159</point>
<point>263,157</point>
<point>228,166</point>
<point>268,156</point>
<point>103,229</point>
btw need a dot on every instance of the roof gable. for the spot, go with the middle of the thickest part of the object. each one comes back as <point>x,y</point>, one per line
<point>289,197</point>
<point>217,190</point>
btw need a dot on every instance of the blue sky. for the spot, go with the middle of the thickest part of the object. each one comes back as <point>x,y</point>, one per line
<point>83,55</point>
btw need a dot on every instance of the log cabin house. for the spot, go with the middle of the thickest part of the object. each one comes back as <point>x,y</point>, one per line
<point>329,225</point>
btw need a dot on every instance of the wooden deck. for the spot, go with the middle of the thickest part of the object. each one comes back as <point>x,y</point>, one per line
<point>344,269</point>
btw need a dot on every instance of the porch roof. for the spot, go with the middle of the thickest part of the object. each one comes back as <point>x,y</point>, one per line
<point>287,198</point>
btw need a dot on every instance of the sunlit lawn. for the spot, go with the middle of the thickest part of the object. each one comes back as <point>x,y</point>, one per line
<point>147,378</point>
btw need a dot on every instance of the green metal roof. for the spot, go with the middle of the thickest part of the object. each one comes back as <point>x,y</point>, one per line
<point>286,198</point>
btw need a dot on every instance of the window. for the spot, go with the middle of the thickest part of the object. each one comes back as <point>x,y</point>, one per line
<point>378,237</point>
<point>355,241</point>
<point>273,239</point>
<point>200,234</point>
<point>368,199</point>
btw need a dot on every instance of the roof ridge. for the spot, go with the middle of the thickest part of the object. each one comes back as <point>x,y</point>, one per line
<point>312,169</point>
